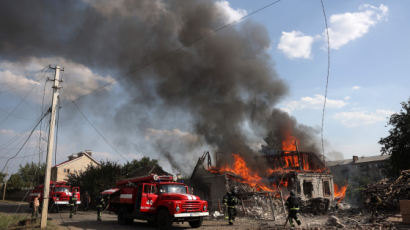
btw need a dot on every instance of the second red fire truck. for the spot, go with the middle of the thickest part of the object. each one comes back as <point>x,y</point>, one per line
<point>60,194</point>
<point>160,200</point>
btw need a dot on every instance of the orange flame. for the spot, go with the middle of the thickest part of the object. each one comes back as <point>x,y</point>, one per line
<point>288,144</point>
<point>339,193</point>
<point>241,169</point>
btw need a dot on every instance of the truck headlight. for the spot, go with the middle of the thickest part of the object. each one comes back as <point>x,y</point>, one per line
<point>204,207</point>
<point>177,208</point>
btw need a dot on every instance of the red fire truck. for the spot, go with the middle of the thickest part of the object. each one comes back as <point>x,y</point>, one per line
<point>160,200</point>
<point>60,194</point>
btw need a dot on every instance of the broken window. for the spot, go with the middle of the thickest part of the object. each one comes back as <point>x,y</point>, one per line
<point>326,188</point>
<point>307,188</point>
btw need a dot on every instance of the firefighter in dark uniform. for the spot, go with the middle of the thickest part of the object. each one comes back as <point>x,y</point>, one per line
<point>292,203</point>
<point>230,200</point>
<point>72,202</point>
<point>100,207</point>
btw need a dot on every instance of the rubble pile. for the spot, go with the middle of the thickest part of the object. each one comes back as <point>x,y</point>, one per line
<point>257,205</point>
<point>389,191</point>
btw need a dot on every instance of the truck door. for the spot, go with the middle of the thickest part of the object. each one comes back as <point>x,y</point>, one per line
<point>149,196</point>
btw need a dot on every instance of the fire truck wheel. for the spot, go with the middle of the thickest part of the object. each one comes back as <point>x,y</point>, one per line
<point>196,223</point>
<point>164,220</point>
<point>151,222</point>
<point>122,218</point>
<point>52,207</point>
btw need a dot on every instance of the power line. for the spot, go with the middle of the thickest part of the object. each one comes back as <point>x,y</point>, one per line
<point>98,132</point>
<point>25,142</point>
<point>41,124</point>
<point>168,53</point>
<point>20,102</point>
<point>327,78</point>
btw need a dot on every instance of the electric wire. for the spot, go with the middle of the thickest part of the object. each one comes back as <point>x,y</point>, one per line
<point>19,103</point>
<point>168,53</point>
<point>25,142</point>
<point>41,123</point>
<point>98,132</point>
<point>327,80</point>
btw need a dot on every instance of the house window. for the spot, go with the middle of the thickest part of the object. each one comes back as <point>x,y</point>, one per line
<point>326,188</point>
<point>307,188</point>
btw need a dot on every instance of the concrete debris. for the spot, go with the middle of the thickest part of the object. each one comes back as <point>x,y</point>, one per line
<point>343,206</point>
<point>216,214</point>
<point>334,221</point>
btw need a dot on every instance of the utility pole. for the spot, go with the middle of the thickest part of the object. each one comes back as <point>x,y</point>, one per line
<point>50,147</point>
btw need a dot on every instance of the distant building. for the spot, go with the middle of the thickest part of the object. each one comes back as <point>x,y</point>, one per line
<point>373,168</point>
<point>75,163</point>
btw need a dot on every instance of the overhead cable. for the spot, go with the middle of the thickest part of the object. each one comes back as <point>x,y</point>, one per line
<point>327,80</point>
<point>25,142</point>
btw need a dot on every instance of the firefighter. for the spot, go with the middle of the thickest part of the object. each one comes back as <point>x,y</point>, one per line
<point>292,203</point>
<point>230,200</point>
<point>36,205</point>
<point>100,207</point>
<point>72,203</point>
<point>75,195</point>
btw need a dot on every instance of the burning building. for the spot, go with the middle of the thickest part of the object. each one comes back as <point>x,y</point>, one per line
<point>287,170</point>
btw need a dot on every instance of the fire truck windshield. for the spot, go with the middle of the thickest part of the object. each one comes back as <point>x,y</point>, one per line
<point>61,189</point>
<point>172,188</point>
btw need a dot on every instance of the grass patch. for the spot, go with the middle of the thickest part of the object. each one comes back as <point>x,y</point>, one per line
<point>8,220</point>
<point>11,222</point>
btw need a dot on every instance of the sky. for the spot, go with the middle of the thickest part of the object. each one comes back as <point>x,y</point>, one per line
<point>369,56</point>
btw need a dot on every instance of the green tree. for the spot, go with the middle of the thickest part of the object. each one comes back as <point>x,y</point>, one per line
<point>28,176</point>
<point>15,182</point>
<point>96,178</point>
<point>2,177</point>
<point>142,167</point>
<point>397,143</point>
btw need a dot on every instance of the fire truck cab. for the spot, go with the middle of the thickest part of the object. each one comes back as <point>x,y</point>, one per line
<point>160,200</point>
<point>60,194</point>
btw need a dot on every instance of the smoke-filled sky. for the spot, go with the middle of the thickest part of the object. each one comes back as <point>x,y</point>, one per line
<point>176,88</point>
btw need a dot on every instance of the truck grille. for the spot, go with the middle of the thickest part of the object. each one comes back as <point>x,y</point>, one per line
<point>191,206</point>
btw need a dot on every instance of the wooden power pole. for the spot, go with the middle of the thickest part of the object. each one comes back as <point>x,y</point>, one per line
<point>50,147</point>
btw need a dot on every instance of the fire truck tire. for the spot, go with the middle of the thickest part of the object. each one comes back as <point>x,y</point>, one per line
<point>123,218</point>
<point>151,222</point>
<point>196,223</point>
<point>52,207</point>
<point>164,219</point>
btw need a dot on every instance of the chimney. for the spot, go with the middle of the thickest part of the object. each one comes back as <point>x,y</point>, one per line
<point>71,157</point>
<point>88,152</point>
<point>355,158</point>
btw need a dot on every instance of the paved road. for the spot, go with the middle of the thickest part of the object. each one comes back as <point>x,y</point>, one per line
<point>87,220</point>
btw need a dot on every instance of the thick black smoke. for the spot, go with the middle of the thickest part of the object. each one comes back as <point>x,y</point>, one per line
<point>222,80</point>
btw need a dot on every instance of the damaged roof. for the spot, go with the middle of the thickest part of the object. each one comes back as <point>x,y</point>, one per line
<point>358,161</point>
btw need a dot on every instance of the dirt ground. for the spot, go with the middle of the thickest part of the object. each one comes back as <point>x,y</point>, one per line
<point>87,220</point>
